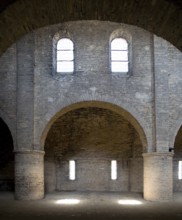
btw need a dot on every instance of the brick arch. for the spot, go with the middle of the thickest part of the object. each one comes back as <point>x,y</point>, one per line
<point>174,131</point>
<point>29,15</point>
<point>105,105</point>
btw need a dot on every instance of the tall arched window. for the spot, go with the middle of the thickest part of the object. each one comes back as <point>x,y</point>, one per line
<point>65,56</point>
<point>119,55</point>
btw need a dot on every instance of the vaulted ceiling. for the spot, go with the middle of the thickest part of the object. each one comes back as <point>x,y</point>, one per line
<point>18,17</point>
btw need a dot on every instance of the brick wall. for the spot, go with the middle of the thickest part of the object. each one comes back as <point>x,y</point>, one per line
<point>31,95</point>
<point>93,137</point>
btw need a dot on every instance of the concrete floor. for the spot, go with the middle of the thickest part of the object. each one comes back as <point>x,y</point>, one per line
<point>92,205</point>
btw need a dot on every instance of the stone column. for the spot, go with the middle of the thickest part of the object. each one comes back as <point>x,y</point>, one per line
<point>29,175</point>
<point>158,176</point>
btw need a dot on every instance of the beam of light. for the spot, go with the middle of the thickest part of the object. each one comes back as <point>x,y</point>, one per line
<point>68,201</point>
<point>129,202</point>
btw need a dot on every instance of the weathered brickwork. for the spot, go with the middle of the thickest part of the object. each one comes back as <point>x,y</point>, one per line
<point>93,137</point>
<point>158,182</point>
<point>92,81</point>
<point>25,92</point>
<point>29,175</point>
<point>36,104</point>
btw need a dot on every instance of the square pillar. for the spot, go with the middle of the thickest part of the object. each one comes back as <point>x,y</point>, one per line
<point>158,176</point>
<point>29,175</point>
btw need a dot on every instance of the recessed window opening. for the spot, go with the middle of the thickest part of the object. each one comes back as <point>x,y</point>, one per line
<point>180,170</point>
<point>65,55</point>
<point>119,55</point>
<point>113,169</point>
<point>72,170</point>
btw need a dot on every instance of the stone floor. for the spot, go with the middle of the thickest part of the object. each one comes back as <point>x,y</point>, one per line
<point>89,205</point>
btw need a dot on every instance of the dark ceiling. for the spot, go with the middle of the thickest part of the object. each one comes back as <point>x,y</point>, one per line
<point>161,17</point>
<point>5,3</point>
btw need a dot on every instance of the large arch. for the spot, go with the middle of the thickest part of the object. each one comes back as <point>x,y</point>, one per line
<point>100,104</point>
<point>30,15</point>
<point>94,133</point>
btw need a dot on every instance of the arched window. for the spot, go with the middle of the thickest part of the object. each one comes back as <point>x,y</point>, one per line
<point>119,55</point>
<point>65,56</point>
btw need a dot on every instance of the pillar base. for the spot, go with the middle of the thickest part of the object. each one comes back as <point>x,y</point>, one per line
<point>29,175</point>
<point>158,176</point>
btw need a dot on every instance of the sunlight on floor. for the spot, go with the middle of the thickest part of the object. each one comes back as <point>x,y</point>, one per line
<point>129,202</point>
<point>68,201</point>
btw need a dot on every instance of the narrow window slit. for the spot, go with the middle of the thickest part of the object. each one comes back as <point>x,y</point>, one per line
<point>113,169</point>
<point>72,172</point>
<point>180,170</point>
